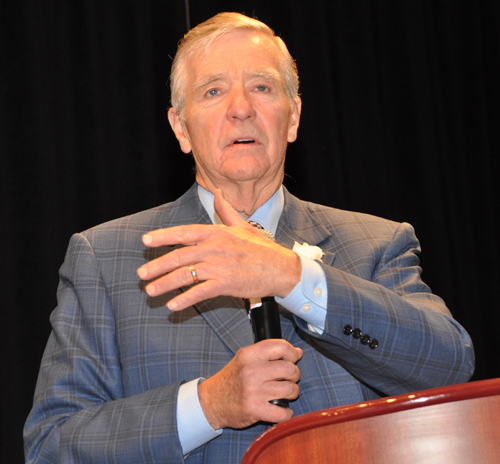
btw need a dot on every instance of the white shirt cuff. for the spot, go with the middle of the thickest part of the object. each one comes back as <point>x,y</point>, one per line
<point>194,429</point>
<point>309,298</point>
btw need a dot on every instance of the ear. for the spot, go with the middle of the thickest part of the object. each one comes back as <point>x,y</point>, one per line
<point>180,130</point>
<point>294,120</point>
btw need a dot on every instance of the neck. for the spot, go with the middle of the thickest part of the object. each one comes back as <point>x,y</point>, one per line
<point>244,197</point>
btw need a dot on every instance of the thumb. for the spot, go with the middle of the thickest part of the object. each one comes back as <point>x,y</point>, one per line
<point>228,215</point>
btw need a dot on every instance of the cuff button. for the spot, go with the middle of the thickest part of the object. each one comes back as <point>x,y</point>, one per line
<point>347,329</point>
<point>356,333</point>
<point>306,307</point>
<point>365,339</point>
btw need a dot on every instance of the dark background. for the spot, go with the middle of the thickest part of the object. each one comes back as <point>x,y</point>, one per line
<point>400,119</point>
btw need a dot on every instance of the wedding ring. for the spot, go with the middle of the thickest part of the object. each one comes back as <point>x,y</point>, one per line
<point>193,273</point>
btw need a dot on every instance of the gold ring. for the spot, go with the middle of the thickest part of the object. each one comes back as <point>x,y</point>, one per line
<point>193,273</point>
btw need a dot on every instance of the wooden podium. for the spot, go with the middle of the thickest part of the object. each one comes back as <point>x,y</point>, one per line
<point>458,424</point>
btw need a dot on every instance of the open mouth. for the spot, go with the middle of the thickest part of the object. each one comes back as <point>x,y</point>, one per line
<point>244,141</point>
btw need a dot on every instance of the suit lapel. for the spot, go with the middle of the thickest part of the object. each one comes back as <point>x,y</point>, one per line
<point>297,224</point>
<point>227,317</point>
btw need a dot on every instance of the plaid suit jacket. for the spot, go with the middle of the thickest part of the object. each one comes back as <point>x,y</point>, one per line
<point>109,378</point>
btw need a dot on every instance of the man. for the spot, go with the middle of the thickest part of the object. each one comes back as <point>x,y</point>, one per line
<point>125,379</point>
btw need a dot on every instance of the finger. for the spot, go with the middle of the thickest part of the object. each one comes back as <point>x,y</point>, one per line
<point>194,295</point>
<point>282,389</point>
<point>277,349</point>
<point>182,277</point>
<point>228,215</point>
<point>274,414</point>
<point>179,235</point>
<point>281,372</point>
<point>173,260</point>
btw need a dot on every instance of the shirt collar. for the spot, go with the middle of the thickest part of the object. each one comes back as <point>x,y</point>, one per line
<point>268,215</point>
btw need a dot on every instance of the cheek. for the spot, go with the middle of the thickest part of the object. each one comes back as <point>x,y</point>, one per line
<point>280,121</point>
<point>200,135</point>
<point>207,129</point>
<point>283,132</point>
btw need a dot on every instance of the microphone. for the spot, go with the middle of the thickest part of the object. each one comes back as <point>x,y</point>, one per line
<point>264,316</point>
<point>265,320</point>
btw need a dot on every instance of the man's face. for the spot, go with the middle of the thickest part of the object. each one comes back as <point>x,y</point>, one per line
<point>237,118</point>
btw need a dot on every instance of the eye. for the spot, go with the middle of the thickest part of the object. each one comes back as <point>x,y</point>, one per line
<point>213,92</point>
<point>262,88</point>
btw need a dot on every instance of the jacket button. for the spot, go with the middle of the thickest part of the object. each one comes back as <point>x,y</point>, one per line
<point>373,343</point>
<point>356,333</point>
<point>347,329</point>
<point>365,339</point>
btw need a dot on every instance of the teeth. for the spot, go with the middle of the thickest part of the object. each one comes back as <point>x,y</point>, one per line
<point>244,141</point>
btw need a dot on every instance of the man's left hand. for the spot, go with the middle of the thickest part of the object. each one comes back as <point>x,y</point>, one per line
<point>231,259</point>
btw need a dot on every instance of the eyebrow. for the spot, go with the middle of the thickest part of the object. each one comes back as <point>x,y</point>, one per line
<point>267,75</point>
<point>204,81</point>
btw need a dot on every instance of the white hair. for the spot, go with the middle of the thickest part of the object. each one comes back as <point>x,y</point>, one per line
<point>203,35</point>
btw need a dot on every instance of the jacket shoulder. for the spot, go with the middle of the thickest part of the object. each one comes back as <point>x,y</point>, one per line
<point>339,221</point>
<point>187,209</point>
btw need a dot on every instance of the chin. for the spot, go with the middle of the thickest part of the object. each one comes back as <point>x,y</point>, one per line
<point>246,171</point>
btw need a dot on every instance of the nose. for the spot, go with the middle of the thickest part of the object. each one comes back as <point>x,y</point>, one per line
<point>240,104</point>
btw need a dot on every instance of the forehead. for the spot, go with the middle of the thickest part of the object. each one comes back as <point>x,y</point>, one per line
<point>236,52</point>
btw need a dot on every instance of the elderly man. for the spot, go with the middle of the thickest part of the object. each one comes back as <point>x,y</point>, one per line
<point>125,379</point>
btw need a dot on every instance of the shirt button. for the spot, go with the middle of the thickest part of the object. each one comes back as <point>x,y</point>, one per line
<point>318,292</point>
<point>306,308</point>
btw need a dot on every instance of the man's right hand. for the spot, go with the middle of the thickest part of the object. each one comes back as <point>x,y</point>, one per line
<point>239,394</point>
<point>233,259</point>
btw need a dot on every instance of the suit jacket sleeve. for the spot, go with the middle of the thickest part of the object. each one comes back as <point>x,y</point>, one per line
<point>81,412</point>
<point>378,290</point>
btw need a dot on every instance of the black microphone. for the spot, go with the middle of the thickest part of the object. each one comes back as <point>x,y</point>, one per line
<point>265,319</point>
<point>264,314</point>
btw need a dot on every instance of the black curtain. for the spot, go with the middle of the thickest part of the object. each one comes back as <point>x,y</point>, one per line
<point>400,119</point>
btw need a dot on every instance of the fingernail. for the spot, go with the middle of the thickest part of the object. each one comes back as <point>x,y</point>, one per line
<point>142,272</point>
<point>147,239</point>
<point>172,305</point>
<point>150,289</point>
